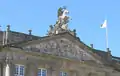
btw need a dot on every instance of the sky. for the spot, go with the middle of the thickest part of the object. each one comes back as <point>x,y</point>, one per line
<point>87,16</point>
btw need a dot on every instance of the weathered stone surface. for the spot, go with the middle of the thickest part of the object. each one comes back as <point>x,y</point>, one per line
<point>60,47</point>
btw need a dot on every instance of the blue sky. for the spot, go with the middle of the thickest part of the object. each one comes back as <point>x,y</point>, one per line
<point>87,16</point>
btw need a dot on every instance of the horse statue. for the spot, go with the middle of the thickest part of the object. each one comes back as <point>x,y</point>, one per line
<point>62,15</point>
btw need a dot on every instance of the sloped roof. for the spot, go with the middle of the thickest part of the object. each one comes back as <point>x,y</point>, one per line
<point>16,44</point>
<point>26,38</point>
<point>15,37</point>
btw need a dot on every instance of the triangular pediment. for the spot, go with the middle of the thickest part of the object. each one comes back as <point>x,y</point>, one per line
<point>64,45</point>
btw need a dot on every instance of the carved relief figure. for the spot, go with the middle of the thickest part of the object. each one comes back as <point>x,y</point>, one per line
<point>61,47</point>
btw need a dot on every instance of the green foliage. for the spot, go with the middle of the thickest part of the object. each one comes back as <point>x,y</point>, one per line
<point>60,11</point>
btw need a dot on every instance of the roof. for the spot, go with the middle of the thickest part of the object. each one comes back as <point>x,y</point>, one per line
<point>116,58</point>
<point>15,37</point>
<point>26,38</point>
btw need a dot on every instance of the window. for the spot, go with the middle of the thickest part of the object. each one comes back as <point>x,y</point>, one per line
<point>63,73</point>
<point>19,70</point>
<point>42,72</point>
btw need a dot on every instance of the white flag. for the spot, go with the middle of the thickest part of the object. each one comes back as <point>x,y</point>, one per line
<point>104,25</point>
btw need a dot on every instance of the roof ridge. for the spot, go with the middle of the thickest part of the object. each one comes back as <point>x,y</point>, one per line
<point>23,33</point>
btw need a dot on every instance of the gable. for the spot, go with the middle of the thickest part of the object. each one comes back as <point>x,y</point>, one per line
<point>61,47</point>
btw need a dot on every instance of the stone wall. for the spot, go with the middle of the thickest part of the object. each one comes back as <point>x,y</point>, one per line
<point>60,47</point>
<point>32,61</point>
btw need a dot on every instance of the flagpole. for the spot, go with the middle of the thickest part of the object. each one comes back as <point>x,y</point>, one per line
<point>104,25</point>
<point>107,36</point>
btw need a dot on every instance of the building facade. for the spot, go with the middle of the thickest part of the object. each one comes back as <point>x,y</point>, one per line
<point>60,53</point>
